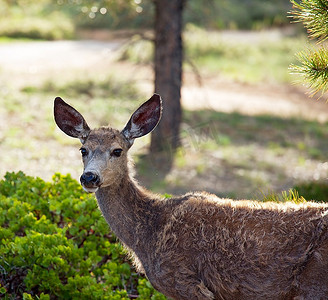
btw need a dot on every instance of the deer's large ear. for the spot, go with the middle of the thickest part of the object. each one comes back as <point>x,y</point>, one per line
<point>70,121</point>
<point>144,119</point>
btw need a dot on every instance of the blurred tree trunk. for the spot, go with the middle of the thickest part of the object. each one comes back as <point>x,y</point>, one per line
<point>168,73</point>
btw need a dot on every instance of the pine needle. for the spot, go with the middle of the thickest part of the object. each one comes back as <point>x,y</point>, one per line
<point>314,15</point>
<point>313,69</point>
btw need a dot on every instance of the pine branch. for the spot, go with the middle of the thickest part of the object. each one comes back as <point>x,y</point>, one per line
<point>313,69</point>
<point>314,15</point>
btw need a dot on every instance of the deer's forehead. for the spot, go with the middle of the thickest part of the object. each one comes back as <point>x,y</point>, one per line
<point>105,138</point>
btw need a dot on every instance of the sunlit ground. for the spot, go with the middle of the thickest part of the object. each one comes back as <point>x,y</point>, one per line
<point>246,129</point>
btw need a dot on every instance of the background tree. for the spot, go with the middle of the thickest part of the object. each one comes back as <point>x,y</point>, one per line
<point>168,72</point>
<point>168,56</point>
<point>313,63</point>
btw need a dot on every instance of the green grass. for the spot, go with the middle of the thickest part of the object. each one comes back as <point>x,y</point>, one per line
<point>233,155</point>
<point>291,195</point>
<point>6,39</point>
<point>229,154</point>
<point>54,26</point>
<point>245,61</point>
<point>248,61</point>
<point>315,190</point>
<point>31,138</point>
<point>307,137</point>
<point>104,100</point>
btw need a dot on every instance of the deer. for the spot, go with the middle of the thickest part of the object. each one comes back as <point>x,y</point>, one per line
<point>200,246</point>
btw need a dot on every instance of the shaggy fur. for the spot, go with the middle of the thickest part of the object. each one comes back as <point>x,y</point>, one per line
<point>199,246</point>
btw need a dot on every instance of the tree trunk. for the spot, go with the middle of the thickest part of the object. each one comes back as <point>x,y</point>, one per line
<point>168,73</point>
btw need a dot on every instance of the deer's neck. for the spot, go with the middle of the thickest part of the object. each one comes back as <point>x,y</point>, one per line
<point>131,212</point>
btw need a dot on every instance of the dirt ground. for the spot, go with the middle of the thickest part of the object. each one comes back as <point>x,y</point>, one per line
<point>23,64</point>
<point>30,63</point>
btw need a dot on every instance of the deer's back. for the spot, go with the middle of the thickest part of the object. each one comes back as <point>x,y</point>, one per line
<point>235,248</point>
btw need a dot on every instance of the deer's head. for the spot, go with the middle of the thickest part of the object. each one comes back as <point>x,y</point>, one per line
<point>104,150</point>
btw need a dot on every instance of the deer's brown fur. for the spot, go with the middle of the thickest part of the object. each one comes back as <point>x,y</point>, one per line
<point>199,246</point>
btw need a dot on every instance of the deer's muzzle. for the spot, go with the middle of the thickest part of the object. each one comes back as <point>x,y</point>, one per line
<point>90,181</point>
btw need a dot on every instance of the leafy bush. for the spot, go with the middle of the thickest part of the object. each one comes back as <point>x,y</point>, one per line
<point>56,245</point>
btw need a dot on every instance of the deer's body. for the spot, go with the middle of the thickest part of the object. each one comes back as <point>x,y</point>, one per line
<point>199,246</point>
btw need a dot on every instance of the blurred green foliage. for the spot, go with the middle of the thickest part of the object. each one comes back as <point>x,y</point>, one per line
<point>58,19</point>
<point>215,14</point>
<point>37,28</point>
<point>34,20</point>
<point>237,14</point>
<point>315,190</point>
<point>54,244</point>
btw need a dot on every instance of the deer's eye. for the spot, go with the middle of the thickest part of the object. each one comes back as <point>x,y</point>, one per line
<point>84,152</point>
<point>117,152</point>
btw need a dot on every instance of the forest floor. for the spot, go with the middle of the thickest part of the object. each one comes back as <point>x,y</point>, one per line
<point>29,64</point>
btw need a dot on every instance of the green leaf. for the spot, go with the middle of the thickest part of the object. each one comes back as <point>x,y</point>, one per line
<point>55,242</point>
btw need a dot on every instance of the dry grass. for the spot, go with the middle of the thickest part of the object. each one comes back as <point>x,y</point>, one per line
<point>236,149</point>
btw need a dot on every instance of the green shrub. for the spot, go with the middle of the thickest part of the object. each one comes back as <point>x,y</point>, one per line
<point>56,245</point>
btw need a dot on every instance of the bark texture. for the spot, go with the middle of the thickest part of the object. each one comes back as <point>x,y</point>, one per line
<point>168,72</point>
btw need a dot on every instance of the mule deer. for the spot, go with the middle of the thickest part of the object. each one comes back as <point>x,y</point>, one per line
<point>199,246</point>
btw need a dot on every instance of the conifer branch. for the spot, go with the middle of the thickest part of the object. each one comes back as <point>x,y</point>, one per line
<point>314,15</point>
<point>314,63</point>
<point>313,69</point>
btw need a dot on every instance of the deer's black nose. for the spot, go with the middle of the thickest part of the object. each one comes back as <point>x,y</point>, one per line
<point>89,179</point>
